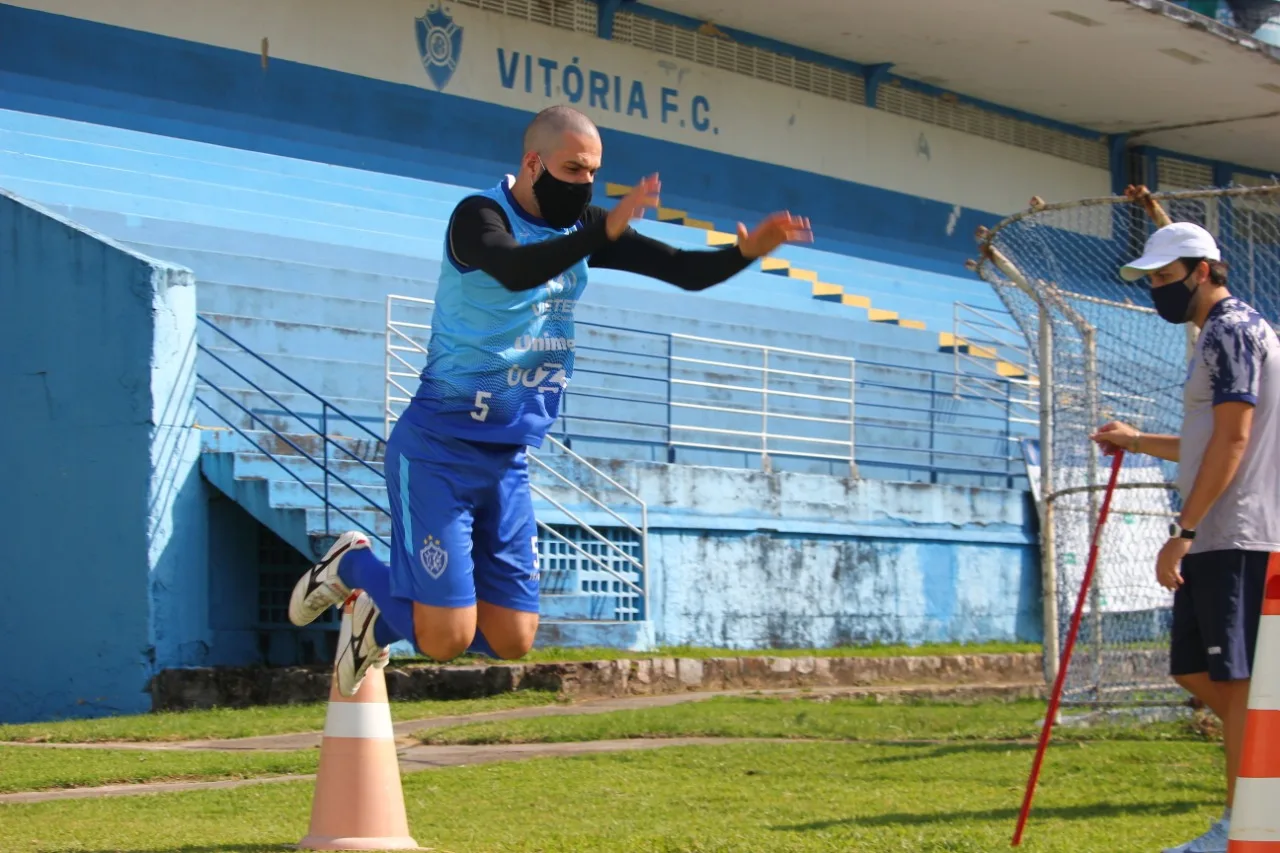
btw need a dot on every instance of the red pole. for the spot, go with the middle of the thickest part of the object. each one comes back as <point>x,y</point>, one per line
<point>1056,697</point>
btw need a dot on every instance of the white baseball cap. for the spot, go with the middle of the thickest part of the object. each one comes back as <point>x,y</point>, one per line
<point>1171,243</point>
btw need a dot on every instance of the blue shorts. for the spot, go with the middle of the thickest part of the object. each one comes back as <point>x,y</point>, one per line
<point>1216,613</point>
<point>462,525</point>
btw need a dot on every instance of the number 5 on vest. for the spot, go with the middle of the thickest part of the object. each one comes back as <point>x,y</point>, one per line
<point>483,407</point>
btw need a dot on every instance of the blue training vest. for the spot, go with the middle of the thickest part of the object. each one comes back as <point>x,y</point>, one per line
<point>498,362</point>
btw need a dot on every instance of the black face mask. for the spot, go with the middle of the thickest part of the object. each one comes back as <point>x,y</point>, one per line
<point>1174,300</point>
<point>562,203</point>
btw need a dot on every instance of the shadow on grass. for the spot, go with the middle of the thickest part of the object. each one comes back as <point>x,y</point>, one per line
<point>198,848</point>
<point>1079,812</point>
<point>944,750</point>
<point>936,749</point>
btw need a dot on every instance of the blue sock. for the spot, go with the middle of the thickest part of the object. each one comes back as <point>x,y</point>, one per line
<point>480,646</point>
<point>361,569</point>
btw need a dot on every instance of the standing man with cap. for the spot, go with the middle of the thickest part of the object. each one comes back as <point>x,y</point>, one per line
<point>1228,455</point>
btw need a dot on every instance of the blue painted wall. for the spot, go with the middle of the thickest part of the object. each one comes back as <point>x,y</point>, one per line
<point>745,559</point>
<point>104,505</point>
<point>94,72</point>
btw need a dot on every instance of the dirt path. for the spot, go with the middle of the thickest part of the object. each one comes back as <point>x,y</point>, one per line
<point>413,759</point>
<point>415,756</point>
<point>406,729</point>
<point>420,758</point>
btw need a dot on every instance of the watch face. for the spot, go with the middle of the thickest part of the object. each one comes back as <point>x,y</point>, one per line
<point>1174,530</point>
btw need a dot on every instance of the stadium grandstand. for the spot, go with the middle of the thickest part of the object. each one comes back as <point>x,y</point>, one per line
<point>222,228</point>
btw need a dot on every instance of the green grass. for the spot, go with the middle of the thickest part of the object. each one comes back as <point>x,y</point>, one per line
<point>556,654</point>
<point>741,717</point>
<point>33,769</point>
<point>221,723</point>
<point>783,798</point>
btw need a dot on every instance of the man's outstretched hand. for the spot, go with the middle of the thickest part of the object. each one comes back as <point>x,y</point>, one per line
<point>643,196</point>
<point>777,229</point>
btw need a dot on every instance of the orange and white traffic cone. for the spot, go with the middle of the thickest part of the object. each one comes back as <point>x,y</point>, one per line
<point>358,802</point>
<point>1255,818</point>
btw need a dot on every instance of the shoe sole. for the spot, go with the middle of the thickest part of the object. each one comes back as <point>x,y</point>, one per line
<point>378,659</point>
<point>309,599</point>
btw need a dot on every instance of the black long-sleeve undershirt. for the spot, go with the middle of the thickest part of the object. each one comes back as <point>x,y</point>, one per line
<point>480,238</point>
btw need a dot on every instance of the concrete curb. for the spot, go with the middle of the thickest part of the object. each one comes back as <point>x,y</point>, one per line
<point>183,689</point>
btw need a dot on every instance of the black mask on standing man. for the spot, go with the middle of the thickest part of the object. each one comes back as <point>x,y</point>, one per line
<point>562,203</point>
<point>1174,300</point>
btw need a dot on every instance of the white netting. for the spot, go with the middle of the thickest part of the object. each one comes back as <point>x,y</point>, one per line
<point>1102,354</point>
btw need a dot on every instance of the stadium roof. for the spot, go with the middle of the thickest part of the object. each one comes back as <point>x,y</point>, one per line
<point>1171,78</point>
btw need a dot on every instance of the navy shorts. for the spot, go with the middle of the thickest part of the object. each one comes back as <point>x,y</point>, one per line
<point>1216,613</point>
<point>462,525</point>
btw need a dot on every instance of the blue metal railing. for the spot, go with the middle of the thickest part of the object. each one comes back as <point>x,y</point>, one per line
<point>936,418</point>
<point>1001,426</point>
<point>321,431</point>
<point>629,595</point>
<point>998,424</point>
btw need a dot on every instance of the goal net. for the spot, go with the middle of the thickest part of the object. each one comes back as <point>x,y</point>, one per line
<point>1101,353</point>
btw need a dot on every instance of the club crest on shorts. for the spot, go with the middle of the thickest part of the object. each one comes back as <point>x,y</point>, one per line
<point>439,44</point>
<point>434,558</point>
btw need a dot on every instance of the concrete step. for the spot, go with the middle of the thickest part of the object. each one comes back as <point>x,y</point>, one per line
<point>362,305</point>
<point>283,520</point>
<point>126,151</point>
<point>31,131</point>
<point>160,174</point>
<point>338,297</point>
<point>174,241</point>
<point>202,248</point>
<point>236,268</point>
<point>292,413</point>
<point>602,353</point>
<point>310,339</point>
<point>635,636</point>
<point>368,228</point>
<point>583,608</point>
<point>605,373</point>
<point>357,484</point>
<point>253,496</point>
<point>328,377</point>
<point>98,165</point>
<point>616,362</point>
<point>224,256</point>
<point>368,477</point>
<point>34,131</point>
<point>351,210</point>
<point>71,199</point>
<point>874,463</point>
<point>360,446</point>
<point>888,420</point>
<point>293,494</point>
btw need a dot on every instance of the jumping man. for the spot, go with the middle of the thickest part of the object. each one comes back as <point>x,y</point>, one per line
<point>464,561</point>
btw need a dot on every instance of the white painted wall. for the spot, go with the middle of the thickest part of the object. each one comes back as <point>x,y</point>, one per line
<point>508,61</point>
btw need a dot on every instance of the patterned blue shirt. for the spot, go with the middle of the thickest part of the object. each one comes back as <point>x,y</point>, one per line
<point>1237,360</point>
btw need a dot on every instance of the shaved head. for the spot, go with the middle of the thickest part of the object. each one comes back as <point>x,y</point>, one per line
<point>545,134</point>
<point>561,146</point>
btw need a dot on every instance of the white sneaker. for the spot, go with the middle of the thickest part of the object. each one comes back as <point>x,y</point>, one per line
<point>1213,841</point>
<point>357,648</point>
<point>321,588</point>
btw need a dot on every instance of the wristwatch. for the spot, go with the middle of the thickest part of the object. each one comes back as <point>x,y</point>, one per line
<point>1177,531</point>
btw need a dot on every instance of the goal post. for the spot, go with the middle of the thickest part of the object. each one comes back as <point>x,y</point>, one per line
<point>1101,353</point>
